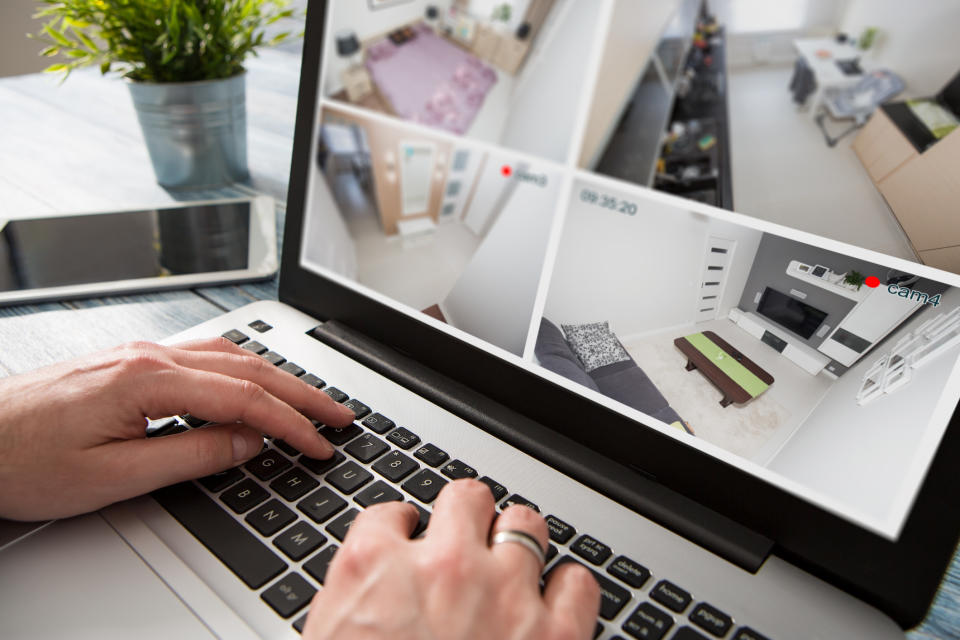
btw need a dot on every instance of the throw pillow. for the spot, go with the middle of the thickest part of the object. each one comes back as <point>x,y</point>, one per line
<point>594,344</point>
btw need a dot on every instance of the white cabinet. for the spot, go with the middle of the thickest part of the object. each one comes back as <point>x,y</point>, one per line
<point>876,316</point>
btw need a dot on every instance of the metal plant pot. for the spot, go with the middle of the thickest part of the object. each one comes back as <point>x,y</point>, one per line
<point>196,132</point>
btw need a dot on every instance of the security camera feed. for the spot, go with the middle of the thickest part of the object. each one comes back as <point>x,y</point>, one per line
<point>810,338</point>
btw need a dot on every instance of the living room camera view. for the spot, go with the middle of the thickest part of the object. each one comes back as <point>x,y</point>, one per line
<point>835,117</point>
<point>502,71</point>
<point>448,229</point>
<point>822,367</point>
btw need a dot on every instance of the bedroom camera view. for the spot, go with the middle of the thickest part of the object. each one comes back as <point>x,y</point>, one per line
<point>839,118</point>
<point>508,72</point>
<point>820,366</point>
<point>446,228</point>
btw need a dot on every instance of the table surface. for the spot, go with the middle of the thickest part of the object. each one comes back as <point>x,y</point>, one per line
<point>77,146</point>
<point>825,69</point>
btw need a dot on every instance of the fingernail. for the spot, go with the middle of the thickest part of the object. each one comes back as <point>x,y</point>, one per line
<point>242,447</point>
<point>347,412</point>
<point>327,447</point>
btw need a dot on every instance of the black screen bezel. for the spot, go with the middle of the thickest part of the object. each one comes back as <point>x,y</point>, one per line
<point>900,578</point>
<point>780,296</point>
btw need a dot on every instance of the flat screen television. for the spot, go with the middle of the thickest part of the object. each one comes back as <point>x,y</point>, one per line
<point>790,313</point>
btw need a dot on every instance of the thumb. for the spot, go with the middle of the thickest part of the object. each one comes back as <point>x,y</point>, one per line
<point>151,463</point>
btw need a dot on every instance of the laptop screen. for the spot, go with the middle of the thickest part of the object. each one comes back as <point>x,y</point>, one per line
<point>588,191</point>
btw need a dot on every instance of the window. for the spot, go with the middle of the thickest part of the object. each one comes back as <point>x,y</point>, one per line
<point>764,15</point>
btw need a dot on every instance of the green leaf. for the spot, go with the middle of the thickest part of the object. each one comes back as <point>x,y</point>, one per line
<point>54,68</point>
<point>59,37</point>
<point>105,67</point>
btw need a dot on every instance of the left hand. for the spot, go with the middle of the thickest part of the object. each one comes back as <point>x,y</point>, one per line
<point>72,436</point>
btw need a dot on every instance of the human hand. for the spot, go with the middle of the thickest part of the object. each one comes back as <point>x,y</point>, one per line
<point>449,585</point>
<point>72,435</point>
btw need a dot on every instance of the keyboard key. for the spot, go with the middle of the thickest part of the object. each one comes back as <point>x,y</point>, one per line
<point>168,427</point>
<point>313,381</point>
<point>591,549</point>
<point>294,484</point>
<point>320,467</point>
<point>424,486</point>
<point>255,347</point>
<point>244,496</point>
<point>292,369</point>
<point>260,326</point>
<point>235,546</point>
<point>688,633</point>
<point>273,358</point>
<point>367,447</point>
<point>712,619</point>
<point>671,596</point>
<point>378,492</point>
<point>349,477</point>
<point>552,552</point>
<point>339,527</point>
<point>220,481</point>
<point>336,394</point>
<point>193,421</point>
<point>270,518</point>
<point>288,595</point>
<point>234,336</point>
<point>648,622</point>
<point>285,446</point>
<point>395,466</point>
<point>359,409</point>
<point>423,521</point>
<point>497,489</point>
<point>746,633</point>
<point>457,469</point>
<point>613,597</point>
<point>299,541</point>
<point>268,464</point>
<point>403,438</point>
<point>379,423</point>
<point>300,623</point>
<point>518,499</point>
<point>597,631</point>
<point>633,573</point>
<point>321,504</point>
<point>560,531</point>
<point>432,455</point>
<point>341,436</point>
<point>317,565</point>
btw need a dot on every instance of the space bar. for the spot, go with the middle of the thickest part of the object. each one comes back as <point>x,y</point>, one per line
<point>236,547</point>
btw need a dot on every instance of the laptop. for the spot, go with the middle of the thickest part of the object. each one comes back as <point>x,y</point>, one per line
<point>743,430</point>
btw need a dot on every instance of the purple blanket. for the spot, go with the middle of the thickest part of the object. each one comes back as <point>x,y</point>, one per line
<point>430,81</point>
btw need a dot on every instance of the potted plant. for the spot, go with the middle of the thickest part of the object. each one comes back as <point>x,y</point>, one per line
<point>183,62</point>
<point>855,279</point>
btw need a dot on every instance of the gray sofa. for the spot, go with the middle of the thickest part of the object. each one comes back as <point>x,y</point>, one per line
<point>622,381</point>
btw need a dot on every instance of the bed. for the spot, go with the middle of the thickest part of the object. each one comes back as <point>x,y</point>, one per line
<point>430,80</point>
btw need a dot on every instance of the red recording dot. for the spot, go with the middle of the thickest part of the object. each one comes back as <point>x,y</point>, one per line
<point>872,282</point>
<point>506,170</point>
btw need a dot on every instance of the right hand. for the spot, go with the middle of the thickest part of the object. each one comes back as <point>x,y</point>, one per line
<point>449,585</point>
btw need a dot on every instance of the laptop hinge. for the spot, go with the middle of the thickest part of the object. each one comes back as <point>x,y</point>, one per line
<point>705,527</point>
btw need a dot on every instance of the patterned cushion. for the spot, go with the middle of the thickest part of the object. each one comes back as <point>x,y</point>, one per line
<point>594,344</point>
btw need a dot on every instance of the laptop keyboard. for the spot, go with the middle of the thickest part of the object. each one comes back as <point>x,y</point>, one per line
<point>292,512</point>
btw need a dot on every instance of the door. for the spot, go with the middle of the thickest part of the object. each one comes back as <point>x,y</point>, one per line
<point>713,280</point>
<point>416,176</point>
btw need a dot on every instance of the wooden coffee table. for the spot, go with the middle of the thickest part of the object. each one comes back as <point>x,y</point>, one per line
<point>739,378</point>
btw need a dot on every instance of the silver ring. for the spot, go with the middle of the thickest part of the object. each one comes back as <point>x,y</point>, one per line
<point>523,539</point>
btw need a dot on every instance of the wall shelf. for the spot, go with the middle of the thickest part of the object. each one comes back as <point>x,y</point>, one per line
<point>793,270</point>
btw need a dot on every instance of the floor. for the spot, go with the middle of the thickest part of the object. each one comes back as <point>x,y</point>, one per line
<point>755,430</point>
<point>419,276</point>
<point>784,172</point>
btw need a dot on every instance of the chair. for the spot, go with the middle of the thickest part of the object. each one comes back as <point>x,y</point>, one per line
<point>858,101</point>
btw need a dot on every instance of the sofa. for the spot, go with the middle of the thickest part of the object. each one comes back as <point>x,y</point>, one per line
<point>622,381</point>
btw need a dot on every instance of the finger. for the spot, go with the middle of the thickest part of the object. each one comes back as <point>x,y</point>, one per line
<point>573,598</point>
<point>387,520</point>
<point>515,555</point>
<point>134,467</point>
<point>221,398</point>
<point>229,359</point>
<point>463,512</point>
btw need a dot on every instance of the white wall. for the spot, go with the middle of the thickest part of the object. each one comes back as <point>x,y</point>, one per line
<point>327,242</point>
<point>493,299</point>
<point>859,454</point>
<point>917,40</point>
<point>19,54</point>
<point>641,273</point>
<point>356,15</point>
<point>490,194</point>
<point>546,98</point>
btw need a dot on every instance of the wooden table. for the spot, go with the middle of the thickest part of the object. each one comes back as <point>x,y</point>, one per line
<point>732,392</point>
<point>78,147</point>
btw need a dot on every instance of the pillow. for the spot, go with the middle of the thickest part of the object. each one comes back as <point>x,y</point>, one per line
<point>594,344</point>
<point>568,369</point>
<point>551,342</point>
